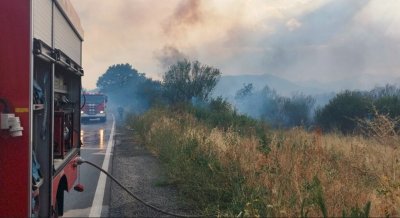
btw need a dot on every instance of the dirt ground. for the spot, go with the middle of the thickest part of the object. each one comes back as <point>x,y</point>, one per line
<point>141,173</point>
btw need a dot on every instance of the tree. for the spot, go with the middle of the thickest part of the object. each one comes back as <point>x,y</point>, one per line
<point>245,91</point>
<point>385,91</point>
<point>343,111</point>
<point>185,81</point>
<point>118,76</point>
<point>128,88</point>
<point>297,110</point>
<point>388,105</point>
<point>387,100</point>
<point>271,106</point>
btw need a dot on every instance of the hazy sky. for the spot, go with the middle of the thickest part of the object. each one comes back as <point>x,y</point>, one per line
<point>300,40</point>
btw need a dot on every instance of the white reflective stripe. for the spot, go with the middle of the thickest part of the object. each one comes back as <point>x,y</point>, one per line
<point>97,204</point>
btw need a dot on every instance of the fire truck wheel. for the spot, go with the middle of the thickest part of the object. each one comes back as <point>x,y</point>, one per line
<point>59,204</point>
<point>55,210</point>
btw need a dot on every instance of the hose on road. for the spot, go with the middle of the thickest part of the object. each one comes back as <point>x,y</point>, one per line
<point>80,161</point>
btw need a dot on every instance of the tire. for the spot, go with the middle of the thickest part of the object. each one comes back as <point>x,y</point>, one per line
<point>55,210</point>
<point>59,204</point>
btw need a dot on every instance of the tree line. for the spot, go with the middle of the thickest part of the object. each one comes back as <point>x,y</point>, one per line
<point>191,82</point>
<point>347,107</point>
<point>342,113</point>
<point>184,82</point>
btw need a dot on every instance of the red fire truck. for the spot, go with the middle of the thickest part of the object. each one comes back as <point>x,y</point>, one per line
<point>40,86</point>
<point>94,107</point>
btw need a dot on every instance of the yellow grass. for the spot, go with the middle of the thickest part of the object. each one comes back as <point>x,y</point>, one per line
<point>352,170</point>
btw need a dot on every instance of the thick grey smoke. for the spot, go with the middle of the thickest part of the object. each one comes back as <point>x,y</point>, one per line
<point>333,47</point>
<point>326,44</point>
<point>332,44</point>
<point>168,56</point>
<point>187,13</point>
<point>340,43</point>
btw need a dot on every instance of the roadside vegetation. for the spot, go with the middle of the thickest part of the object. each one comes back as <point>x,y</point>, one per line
<point>237,171</point>
<point>343,162</point>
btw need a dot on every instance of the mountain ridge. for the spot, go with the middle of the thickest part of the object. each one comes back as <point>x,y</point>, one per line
<point>230,84</point>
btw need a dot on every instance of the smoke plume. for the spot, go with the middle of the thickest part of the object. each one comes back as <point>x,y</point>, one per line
<point>334,43</point>
<point>187,13</point>
<point>169,55</point>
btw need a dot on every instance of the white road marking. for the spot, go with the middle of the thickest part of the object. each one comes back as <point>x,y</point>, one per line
<point>98,149</point>
<point>97,205</point>
<point>77,212</point>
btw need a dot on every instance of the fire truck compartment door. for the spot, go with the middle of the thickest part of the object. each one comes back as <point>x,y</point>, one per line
<point>42,14</point>
<point>65,37</point>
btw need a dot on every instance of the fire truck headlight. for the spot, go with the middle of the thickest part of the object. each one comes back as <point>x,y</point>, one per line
<point>102,112</point>
<point>81,112</point>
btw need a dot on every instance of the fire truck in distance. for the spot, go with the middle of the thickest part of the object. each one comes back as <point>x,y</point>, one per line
<point>40,86</point>
<point>94,107</point>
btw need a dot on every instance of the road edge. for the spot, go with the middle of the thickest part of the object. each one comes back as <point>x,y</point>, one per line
<point>97,205</point>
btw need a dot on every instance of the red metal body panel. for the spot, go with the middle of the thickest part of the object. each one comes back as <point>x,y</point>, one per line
<point>99,107</point>
<point>15,87</point>
<point>15,17</point>
<point>70,172</point>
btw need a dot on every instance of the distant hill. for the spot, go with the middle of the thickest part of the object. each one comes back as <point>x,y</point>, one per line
<point>365,82</point>
<point>322,92</point>
<point>229,85</point>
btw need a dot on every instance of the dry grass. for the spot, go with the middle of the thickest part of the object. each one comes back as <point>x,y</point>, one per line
<point>304,173</point>
<point>382,128</point>
<point>352,171</point>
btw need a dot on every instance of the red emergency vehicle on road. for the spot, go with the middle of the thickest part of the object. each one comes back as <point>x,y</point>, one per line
<point>94,107</point>
<point>40,86</point>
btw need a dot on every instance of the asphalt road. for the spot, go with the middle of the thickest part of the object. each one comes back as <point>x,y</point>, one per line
<point>95,138</point>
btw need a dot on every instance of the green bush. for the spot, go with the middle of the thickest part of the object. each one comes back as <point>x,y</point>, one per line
<point>343,111</point>
<point>297,110</point>
<point>185,81</point>
<point>389,105</point>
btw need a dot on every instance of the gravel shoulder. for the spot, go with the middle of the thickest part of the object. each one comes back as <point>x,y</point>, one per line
<point>136,168</point>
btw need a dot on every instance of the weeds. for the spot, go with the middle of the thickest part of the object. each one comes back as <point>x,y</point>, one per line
<point>356,212</point>
<point>314,197</point>
<point>382,128</point>
<point>246,170</point>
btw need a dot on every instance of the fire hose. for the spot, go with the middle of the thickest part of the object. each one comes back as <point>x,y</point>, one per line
<point>80,161</point>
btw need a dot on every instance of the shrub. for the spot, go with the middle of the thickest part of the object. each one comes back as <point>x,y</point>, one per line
<point>389,105</point>
<point>343,110</point>
<point>382,128</point>
<point>276,110</point>
<point>297,110</point>
<point>186,80</point>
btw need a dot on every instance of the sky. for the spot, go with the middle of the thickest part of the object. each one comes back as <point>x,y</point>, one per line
<point>353,42</point>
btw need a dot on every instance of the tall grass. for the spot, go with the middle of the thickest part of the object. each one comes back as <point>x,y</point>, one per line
<point>245,169</point>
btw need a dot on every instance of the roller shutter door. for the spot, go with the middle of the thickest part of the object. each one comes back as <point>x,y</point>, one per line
<point>65,38</point>
<point>42,13</point>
